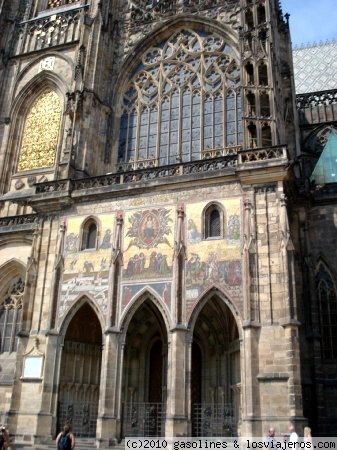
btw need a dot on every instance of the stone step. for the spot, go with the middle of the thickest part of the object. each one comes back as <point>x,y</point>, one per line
<point>81,444</point>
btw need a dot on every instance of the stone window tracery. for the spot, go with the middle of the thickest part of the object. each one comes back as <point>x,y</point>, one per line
<point>41,133</point>
<point>327,306</point>
<point>183,99</point>
<point>10,315</point>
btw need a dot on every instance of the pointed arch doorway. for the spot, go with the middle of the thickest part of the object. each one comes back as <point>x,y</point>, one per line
<point>80,373</point>
<point>144,373</point>
<point>215,371</point>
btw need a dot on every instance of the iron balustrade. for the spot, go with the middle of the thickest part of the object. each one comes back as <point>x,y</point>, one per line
<point>143,419</point>
<point>214,420</point>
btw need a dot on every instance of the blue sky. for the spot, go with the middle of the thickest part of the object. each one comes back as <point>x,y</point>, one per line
<point>311,20</point>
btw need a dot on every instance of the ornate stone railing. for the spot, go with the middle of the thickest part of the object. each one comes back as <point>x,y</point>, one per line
<point>229,161</point>
<point>57,28</point>
<point>262,154</point>
<point>102,181</point>
<point>316,99</point>
<point>26,219</point>
<point>53,186</point>
<point>154,162</point>
<point>215,153</point>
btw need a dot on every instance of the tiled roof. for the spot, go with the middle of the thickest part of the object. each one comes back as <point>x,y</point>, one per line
<point>315,67</point>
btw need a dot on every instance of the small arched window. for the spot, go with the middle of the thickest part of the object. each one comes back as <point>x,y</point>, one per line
<point>266,136</point>
<point>89,236</point>
<point>261,14</point>
<point>249,19</point>
<point>214,222</point>
<point>263,75</point>
<point>251,104</point>
<point>252,136</point>
<point>10,315</point>
<point>327,308</point>
<point>264,105</point>
<point>249,73</point>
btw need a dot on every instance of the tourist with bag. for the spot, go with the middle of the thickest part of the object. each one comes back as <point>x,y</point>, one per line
<point>65,440</point>
<point>4,439</point>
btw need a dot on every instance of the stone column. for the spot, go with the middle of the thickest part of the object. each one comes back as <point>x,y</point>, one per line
<point>107,428</point>
<point>177,364</point>
<point>249,389</point>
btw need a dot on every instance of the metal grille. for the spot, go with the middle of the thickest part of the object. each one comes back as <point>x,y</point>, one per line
<point>81,416</point>
<point>143,419</point>
<point>214,420</point>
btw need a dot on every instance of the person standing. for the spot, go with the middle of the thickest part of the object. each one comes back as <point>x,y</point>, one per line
<point>293,435</point>
<point>307,435</point>
<point>270,440</point>
<point>4,438</point>
<point>65,440</point>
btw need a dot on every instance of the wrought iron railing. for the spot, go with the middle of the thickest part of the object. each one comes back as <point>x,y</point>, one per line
<point>82,416</point>
<point>213,420</point>
<point>143,419</point>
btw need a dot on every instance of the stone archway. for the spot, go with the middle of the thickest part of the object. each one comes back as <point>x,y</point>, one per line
<point>80,373</point>
<point>144,373</point>
<point>216,357</point>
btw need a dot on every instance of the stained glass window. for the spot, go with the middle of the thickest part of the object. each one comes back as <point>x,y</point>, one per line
<point>214,220</point>
<point>181,101</point>
<point>327,304</point>
<point>10,316</point>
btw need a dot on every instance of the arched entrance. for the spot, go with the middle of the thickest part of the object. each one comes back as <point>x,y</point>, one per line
<point>144,373</point>
<point>80,373</point>
<point>215,371</point>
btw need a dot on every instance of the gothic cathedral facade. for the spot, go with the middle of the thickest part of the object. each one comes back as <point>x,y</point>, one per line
<point>165,266</point>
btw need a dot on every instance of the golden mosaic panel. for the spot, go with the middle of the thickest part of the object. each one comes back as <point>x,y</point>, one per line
<point>41,133</point>
<point>213,261</point>
<point>56,3</point>
<point>148,244</point>
<point>86,272</point>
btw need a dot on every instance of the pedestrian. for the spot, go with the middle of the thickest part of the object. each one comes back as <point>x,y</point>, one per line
<point>293,435</point>
<point>65,440</point>
<point>270,439</point>
<point>4,439</point>
<point>307,436</point>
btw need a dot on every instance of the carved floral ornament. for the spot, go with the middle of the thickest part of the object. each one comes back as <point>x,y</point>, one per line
<point>41,131</point>
<point>13,296</point>
<point>147,10</point>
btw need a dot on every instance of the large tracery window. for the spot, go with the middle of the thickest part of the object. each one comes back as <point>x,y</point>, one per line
<point>327,304</point>
<point>10,316</point>
<point>182,101</point>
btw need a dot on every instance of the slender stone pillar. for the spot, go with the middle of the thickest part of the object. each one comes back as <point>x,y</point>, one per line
<point>176,420</point>
<point>107,427</point>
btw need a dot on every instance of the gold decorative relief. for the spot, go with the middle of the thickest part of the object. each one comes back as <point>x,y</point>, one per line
<point>41,133</point>
<point>56,3</point>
